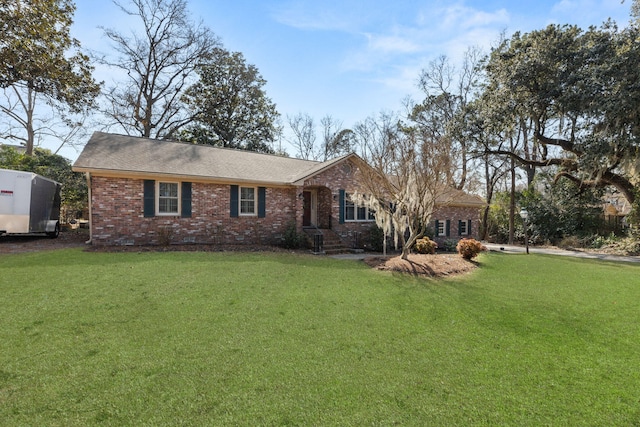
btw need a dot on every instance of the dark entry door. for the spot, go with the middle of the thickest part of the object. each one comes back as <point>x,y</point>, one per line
<point>306,213</point>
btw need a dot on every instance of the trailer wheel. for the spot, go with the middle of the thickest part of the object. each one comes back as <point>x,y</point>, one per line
<point>56,232</point>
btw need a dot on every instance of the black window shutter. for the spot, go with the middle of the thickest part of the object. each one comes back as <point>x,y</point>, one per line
<point>469,227</point>
<point>437,228</point>
<point>149,198</point>
<point>262,199</point>
<point>186,200</point>
<point>234,201</point>
<point>341,195</point>
<point>447,227</point>
<point>460,227</point>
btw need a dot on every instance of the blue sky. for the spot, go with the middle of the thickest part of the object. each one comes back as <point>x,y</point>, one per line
<point>352,59</point>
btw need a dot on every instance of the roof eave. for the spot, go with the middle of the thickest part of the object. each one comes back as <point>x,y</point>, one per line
<point>176,176</point>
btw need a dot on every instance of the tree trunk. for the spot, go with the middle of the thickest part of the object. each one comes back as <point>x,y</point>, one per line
<point>489,191</point>
<point>484,232</point>
<point>30,106</point>
<point>405,253</point>
<point>406,246</point>
<point>512,199</point>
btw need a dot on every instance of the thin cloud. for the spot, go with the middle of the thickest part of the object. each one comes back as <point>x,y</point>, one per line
<point>586,12</point>
<point>460,17</point>
<point>448,30</point>
<point>313,16</point>
<point>391,44</point>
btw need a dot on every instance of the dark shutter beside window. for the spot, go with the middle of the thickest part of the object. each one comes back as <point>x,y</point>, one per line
<point>437,226</point>
<point>460,227</point>
<point>149,198</point>
<point>341,196</point>
<point>234,201</point>
<point>262,205</point>
<point>186,200</point>
<point>469,227</point>
<point>447,228</point>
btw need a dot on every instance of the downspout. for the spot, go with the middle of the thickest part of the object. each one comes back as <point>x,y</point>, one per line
<point>90,241</point>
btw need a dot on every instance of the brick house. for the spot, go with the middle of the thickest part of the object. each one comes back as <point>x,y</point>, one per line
<point>145,192</point>
<point>457,216</point>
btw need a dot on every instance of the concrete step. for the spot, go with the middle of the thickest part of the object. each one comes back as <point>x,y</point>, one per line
<point>331,243</point>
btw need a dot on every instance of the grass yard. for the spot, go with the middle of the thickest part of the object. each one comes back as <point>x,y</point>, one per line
<point>277,339</point>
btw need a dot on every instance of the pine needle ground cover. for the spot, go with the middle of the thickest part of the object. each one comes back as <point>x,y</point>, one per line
<point>279,339</point>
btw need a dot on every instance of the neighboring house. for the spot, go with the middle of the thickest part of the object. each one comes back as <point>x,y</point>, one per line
<point>615,210</point>
<point>145,191</point>
<point>457,216</point>
<point>19,148</point>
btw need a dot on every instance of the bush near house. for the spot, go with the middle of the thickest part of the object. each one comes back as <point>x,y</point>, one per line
<point>470,248</point>
<point>425,246</point>
<point>376,238</point>
<point>291,239</point>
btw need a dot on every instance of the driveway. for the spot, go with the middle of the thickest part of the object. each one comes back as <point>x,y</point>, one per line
<point>562,252</point>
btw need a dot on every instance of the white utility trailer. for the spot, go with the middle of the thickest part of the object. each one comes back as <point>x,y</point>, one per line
<point>29,204</point>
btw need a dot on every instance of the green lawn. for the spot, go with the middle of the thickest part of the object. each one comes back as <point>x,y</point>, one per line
<point>277,339</point>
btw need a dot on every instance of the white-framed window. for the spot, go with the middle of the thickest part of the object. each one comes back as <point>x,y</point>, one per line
<point>441,231</point>
<point>462,228</point>
<point>356,213</point>
<point>167,198</point>
<point>248,201</point>
<point>349,210</point>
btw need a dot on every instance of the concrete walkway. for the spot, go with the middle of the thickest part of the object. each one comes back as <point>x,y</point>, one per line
<point>562,252</point>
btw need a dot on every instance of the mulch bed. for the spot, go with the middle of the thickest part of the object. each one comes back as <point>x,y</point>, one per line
<point>439,265</point>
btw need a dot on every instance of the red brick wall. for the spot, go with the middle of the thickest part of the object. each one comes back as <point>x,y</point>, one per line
<point>455,214</point>
<point>342,176</point>
<point>117,216</point>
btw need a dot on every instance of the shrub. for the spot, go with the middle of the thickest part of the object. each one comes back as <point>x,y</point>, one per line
<point>291,239</point>
<point>425,246</point>
<point>470,248</point>
<point>376,236</point>
<point>165,235</point>
<point>449,245</point>
<point>629,246</point>
<point>569,242</point>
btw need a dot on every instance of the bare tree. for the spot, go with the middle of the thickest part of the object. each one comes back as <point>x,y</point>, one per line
<point>159,65</point>
<point>373,135</point>
<point>304,132</point>
<point>449,91</point>
<point>406,179</point>
<point>336,140</point>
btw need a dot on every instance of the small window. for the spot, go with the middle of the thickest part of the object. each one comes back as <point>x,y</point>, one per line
<point>247,201</point>
<point>441,228</point>
<point>168,200</point>
<point>362,213</point>
<point>464,228</point>
<point>349,209</point>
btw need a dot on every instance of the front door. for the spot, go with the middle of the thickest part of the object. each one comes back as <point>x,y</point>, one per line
<point>306,213</point>
<point>310,208</point>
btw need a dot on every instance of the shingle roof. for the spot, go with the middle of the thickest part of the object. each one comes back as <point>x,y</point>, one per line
<point>134,155</point>
<point>454,197</point>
